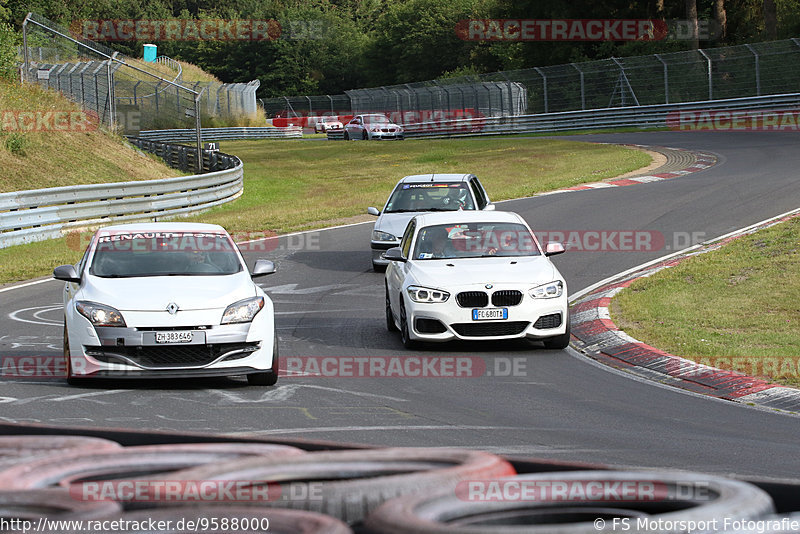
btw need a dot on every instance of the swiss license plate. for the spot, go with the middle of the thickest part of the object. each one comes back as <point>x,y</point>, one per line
<point>490,314</point>
<point>174,336</point>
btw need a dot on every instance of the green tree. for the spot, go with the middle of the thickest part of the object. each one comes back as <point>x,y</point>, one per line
<point>9,40</point>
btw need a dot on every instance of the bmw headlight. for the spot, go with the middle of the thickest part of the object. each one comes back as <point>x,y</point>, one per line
<point>377,235</point>
<point>243,311</point>
<point>426,294</point>
<point>548,291</point>
<point>100,314</point>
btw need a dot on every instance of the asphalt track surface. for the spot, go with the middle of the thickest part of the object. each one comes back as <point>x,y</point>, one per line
<point>556,405</point>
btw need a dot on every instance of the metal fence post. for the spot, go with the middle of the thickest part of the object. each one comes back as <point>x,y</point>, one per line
<point>758,69</point>
<point>198,131</point>
<point>710,82</point>
<point>666,78</point>
<point>25,43</point>
<point>583,88</point>
<point>544,86</point>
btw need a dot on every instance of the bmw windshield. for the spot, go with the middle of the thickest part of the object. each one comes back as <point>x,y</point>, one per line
<point>474,240</point>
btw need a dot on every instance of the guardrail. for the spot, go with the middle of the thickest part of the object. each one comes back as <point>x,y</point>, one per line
<point>654,116</point>
<point>223,134</point>
<point>634,116</point>
<point>39,214</point>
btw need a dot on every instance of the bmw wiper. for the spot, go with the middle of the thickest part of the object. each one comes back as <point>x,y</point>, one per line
<point>399,211</point>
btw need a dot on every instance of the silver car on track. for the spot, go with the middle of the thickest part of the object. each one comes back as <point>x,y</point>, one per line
<point>422,193</point>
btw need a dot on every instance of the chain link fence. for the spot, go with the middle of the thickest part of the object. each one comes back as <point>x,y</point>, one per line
<point>125,93</point>
<point>689,76</point>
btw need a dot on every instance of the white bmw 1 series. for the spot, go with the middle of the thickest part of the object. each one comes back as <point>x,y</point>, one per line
<point>164,300</point>
<point>474,275</point>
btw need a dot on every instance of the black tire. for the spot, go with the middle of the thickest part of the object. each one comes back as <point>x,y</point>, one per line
<point>349,484</point>
<point>346,136</point>
<point>364,136</point>
<point>20,449</point>
<point>378,268</point>
<point>390,326</point>
<point>270,378</point>
<point>670,497</point>
<point>71,379</point>
<point>405,337</point>
<point>53,503</point>
<point>558,342</point>
<point>132,462</point>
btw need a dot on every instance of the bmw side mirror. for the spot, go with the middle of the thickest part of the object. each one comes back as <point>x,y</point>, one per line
<point>554,248</point>
<point>66,273</point>
<point>373,211</point>
<point>489,207</point>
<point>394,254</point>
<point>262,268</point>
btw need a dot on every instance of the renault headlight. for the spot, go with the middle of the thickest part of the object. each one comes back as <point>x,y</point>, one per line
<point>242,311</point>
<point>550,290</point>
<point>100,314</point>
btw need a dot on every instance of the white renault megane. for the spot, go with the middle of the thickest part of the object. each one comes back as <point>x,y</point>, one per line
<point>475,276</point>
<point>167,300</point>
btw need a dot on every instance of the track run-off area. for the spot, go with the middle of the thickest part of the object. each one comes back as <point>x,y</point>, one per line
<point>523,401</point>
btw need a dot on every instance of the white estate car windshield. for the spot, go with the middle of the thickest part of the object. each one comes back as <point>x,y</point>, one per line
<point>125,255</point>
<point>430,197</point>
<point>474,240</point>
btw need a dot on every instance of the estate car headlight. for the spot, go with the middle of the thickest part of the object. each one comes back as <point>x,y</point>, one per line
<point>377,235</point>
<point>242,311</point>
<point>100,314</point>
<point>427,294</point>
<point>550,290</point>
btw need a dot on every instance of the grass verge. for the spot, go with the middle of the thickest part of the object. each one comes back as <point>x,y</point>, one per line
<point>737,307</point>
<point>294,184</point>
<point>59,157</point>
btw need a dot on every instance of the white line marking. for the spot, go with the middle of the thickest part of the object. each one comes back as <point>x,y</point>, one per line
<point>283,393</point>
<point>87,395</point>
<point>50,307</point>
<point>26,284</point>
<point>632,270</point>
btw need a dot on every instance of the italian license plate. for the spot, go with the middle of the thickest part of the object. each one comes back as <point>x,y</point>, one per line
<point>490,314</point>
<point>174,336</point>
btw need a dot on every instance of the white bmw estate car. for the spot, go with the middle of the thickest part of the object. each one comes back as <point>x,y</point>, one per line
<point>472,275</point>
<point>421,193</point>
<point>164,300</point>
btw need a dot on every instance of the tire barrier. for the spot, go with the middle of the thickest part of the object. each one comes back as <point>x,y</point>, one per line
<point>19,449</point>
<point>52,503</point>
<point>133,463</point>
<point>576,502</point>
<point>235,519</point>
<point>349,484</point>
